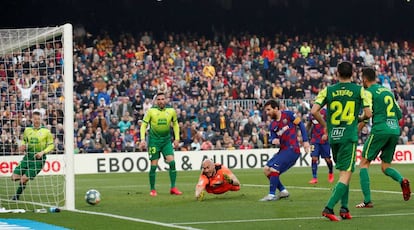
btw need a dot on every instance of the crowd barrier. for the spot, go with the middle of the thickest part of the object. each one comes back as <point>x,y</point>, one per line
<point>185,161</point>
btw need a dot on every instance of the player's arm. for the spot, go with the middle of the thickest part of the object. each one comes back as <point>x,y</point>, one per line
<point>366,97</point>
<point>309,125</point>
<point>298,122</point>
<point>230,177</point>
<point>143,129</point>
<point>50,145</point>
<point>317,106</point>
<point>23,144</point>
<point>201,185</point>
<point>273,137</point>
<point>176,127</point>
<point>398,110</point>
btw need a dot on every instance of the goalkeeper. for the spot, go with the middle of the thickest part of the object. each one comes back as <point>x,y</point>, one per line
<point>37,142</point>
<point>215,178</point>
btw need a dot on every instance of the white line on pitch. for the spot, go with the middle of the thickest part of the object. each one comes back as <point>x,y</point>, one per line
<point>325,189</point>
<point>287,219</point>
<point>137,220</point>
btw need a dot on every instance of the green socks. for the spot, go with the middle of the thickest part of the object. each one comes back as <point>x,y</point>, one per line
<point>337,194</point>
<point>394,174</point>
<point>20,189</point>
<point>152,176</point>
<point>173,173</point>
<point>365,184</point>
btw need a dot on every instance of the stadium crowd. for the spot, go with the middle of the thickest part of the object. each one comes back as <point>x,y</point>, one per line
<point>217,85</point>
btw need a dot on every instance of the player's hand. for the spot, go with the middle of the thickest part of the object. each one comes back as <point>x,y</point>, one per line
<point>22,148</point>
<point>200,197</point>
<point>306,146</point>
<point>276,141</point>
<point>176,143</point>
<point>360,126</point>
<point>142,145</point>
<point>39,155</point>
<point>228,179</point>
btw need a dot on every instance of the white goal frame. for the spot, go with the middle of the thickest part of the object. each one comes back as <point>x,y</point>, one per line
<point>28,37</point>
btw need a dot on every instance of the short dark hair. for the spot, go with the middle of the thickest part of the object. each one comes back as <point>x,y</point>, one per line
<point>36,113</point>
<point>272,104</point>
<point>345,69</point>
<point>369,74</point>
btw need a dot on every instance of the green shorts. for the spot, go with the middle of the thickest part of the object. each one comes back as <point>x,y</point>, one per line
<point>344,155</point>
<point>30,166</point>
<point>384,143</point>
<point>155,148</point>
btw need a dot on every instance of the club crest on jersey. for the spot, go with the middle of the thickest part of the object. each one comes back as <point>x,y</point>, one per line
<point>284,121</point>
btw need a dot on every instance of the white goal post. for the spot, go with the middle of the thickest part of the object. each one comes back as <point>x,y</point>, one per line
<point>36,74</point>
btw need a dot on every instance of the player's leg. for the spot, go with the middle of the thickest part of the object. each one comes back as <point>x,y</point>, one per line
<point>386,156</point>
<point>19,174</point>
<point>272,173</point>
<point>345,164</point>
<point>314,164</point>
<point>288,161</point>
<point>168,152</point>
<point>154,156</point>
<point>370,151</point>
<point>325,153</point>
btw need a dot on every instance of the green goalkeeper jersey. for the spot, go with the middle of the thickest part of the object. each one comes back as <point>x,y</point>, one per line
<point>160,121</point>
<point>37,140</point>
<point>385,110</point>
<point>344,102</point>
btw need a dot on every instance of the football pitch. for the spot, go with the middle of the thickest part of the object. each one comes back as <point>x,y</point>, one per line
<point>126,203</point>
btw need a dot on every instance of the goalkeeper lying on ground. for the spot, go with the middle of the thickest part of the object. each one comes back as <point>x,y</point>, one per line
<point>215,178</point>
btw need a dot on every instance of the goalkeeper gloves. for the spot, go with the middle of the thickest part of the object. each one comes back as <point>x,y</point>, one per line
<point>228,179</point>
<point>201,196</point>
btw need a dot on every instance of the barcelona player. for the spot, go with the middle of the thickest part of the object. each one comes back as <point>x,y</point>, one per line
<point>320,147</point>
<point>283,134</point>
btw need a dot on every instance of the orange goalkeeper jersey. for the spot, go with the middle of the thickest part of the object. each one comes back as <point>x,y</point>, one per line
<point>217,184</point>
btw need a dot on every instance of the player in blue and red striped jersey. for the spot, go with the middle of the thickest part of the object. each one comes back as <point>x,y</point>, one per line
<point>282,134</point>
<point>319,147</point>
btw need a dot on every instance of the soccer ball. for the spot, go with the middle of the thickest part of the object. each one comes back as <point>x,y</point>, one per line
<point>92,197</point>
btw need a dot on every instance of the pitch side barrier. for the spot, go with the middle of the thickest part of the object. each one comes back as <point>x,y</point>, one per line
<point>185,160</point>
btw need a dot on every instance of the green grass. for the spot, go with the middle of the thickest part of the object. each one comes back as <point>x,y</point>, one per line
<point>127,196</point>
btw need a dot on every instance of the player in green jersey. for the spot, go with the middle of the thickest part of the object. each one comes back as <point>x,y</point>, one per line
<point>344,101</point>
<point>37,142</point>
<point>159,118</point>
<point>383,138</point>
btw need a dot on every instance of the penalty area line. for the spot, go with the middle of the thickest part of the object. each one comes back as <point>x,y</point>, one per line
<point>170,225</point>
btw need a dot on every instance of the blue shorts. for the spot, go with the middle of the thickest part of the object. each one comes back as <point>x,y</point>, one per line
<point>283,160</point>
<point>322,150</point>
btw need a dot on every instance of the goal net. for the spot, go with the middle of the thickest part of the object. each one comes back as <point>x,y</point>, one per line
<point>36,74</point>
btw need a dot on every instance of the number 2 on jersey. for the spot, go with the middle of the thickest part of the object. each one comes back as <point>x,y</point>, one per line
<point>389,101</point>
<point>341,113</point>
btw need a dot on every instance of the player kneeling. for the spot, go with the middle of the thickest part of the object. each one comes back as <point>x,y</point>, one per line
<point>215,178</point>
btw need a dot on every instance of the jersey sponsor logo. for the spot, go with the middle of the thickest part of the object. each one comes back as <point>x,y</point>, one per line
<point>392,123</point>
<point>162,121</point>
<point>337,132</point>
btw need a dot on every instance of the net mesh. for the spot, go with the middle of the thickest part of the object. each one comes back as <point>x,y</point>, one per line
<point>31,79</point>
